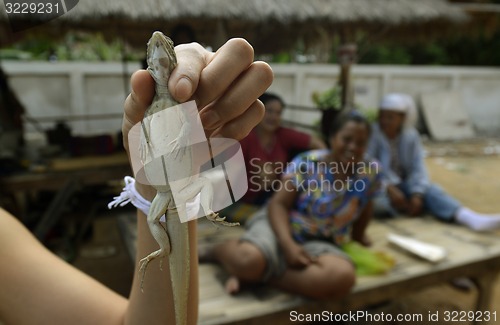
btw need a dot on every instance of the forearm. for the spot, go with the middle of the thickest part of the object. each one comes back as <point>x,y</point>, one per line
<point>278,217</point>
<point>316,143</point>
<point>153,303</point>
<point>359,227</point>
<point>53,291</point>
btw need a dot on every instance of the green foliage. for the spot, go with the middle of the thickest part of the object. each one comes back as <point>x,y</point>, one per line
<point>458,50</point>
<point>14,54</point>
<point>386,54</point>
<point>370,114</point>
<point>332,98</point>
<point>282,57</point>
<point>74,46</point>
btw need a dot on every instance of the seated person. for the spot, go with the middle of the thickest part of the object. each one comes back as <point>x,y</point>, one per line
<point>324,201</point>
<point>396,144</point>
<point>266,151</point>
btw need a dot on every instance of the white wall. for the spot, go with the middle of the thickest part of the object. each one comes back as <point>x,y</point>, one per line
<point>479,87</point>
<point>71,90</point>
<point>89,89</point>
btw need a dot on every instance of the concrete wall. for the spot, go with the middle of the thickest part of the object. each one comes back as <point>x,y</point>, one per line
<point>479,88</point>
<point>77,89</point>
<point>89,89</point>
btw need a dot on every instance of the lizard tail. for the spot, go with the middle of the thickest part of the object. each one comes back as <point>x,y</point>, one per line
<point>179,260</point>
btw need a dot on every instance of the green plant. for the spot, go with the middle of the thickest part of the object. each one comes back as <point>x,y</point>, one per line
<point>329,99</point>
<point>370,114</point>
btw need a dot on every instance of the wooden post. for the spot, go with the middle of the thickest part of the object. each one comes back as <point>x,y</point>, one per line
<point>347,54</point>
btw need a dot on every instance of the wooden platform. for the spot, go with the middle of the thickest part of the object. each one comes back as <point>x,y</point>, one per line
<point>476,255</point>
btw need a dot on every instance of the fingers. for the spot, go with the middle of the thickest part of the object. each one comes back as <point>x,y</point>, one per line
<point>137,102</point>
<point>140,98</point>
<point>225,86</point>
<point>205,76</point>
<point>305,259</point>
<point>240,95</point>
<point>225,66</point>
<point>191,60</point>
<point>239,127</point>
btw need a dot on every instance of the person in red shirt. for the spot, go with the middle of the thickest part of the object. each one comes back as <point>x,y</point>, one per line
<point>268,148</point>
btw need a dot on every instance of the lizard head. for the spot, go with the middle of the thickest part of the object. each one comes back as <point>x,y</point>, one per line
<point>161,57</point>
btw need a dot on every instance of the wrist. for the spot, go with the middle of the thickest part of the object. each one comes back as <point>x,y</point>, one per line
<point>285,241</point>
<point>391,188</point>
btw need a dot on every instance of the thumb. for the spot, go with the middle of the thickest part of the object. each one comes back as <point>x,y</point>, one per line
<point>191,60</point>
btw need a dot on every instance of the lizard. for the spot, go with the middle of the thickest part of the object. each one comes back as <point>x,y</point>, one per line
<point>166,154</point>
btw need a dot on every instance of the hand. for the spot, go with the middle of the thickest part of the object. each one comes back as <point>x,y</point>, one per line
<point>416,205</point>
<point>225,85</point>
<point>397,197</point>
<point>297,257</point>
<point>364,240</point>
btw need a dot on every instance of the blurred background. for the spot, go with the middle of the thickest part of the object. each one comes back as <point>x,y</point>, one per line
<point>63,83</point>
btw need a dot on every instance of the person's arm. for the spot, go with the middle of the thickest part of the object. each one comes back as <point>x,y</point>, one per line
<point>358,232</point>
<point>378,148</point>
<point>227,83</point>
<point>279,210</point>
<point>316,143</point>
<point>37,287</point>
<point>418,179</point>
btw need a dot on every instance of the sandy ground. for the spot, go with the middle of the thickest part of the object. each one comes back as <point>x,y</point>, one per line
<point>469,171</point>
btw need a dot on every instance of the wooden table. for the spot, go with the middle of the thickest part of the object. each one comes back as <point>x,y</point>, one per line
<point>475,255</point>
<point>469,254</point>
<point>65,176</point>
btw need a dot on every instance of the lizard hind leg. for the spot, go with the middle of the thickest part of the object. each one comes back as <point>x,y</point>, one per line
<point>203,186</point>
<point>206,198</point>
<point>214,217</point>
<point>158,207</point>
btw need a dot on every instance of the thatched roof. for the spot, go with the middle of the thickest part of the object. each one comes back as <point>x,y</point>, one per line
<point>283,11</point>
<point>269,24</point>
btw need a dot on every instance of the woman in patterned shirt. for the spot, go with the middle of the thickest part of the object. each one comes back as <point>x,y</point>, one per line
<point>323,202</point>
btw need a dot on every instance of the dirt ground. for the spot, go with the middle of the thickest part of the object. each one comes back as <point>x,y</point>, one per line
<point>470,171</point>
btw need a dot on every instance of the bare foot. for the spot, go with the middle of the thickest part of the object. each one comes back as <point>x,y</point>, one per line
<point>206,253</point>
<point>232,285</point>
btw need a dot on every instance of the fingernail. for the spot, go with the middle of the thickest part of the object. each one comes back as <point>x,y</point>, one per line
<point>183,89</point>
<point>210,119</point>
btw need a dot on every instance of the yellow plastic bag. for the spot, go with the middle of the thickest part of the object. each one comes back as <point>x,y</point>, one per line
<point>367,261</point>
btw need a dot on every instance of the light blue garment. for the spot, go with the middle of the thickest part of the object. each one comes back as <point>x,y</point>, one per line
<point>414,175</point>
<point>411,159</point>
<point>436,201</point>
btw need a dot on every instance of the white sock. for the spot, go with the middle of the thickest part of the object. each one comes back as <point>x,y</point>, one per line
<point>477,221</point>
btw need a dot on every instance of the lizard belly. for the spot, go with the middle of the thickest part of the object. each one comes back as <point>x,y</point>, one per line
<point>158,147</point>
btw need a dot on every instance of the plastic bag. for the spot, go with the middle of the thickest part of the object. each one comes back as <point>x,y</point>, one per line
<point>367,261</point>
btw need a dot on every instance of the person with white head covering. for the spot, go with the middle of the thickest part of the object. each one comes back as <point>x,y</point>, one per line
<point>396,144</point>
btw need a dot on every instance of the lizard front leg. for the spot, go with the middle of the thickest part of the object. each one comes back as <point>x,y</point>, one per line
<point>158,208</point>
<point>203,186</point>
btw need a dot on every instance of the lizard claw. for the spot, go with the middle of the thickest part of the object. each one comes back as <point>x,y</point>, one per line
<point>144,262</point>
<point>214,217</point>
<point>177,149</point>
